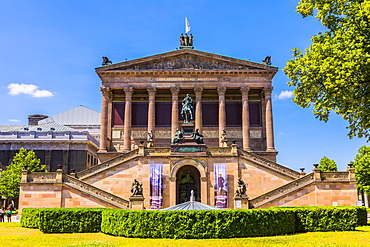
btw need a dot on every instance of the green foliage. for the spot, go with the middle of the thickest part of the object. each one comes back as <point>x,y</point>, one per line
<point>362,169</point>
<point>327,164</point>
<point>69,220</point>
<point>323,219</point>
<point>10,178</point>
<point>30,217</point>
<point>200,224</point>
<point>333,75</point>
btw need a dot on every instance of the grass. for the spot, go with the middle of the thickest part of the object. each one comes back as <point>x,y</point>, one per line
<point>13,235</point>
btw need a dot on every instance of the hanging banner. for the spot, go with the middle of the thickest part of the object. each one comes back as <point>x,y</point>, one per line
<point>156,186</point>
<point>220,185</point>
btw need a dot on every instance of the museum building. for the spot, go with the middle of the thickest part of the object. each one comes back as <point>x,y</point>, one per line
<point>184,121</point>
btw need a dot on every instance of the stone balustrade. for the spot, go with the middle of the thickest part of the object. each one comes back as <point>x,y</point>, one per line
<point>282,190</point>
<point>94,191</point>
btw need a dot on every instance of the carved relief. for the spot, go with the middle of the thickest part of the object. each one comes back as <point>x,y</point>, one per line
<point>163,134</point>
<point>255,134</point>
<point>188,62</point>
<point>334,176</point>
<point>139,134</point>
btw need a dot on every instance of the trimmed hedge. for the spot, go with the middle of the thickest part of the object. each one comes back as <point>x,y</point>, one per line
<point>30,217</point>
<point>201,224</point>
<point>315,219</point>
<point>70,220</point>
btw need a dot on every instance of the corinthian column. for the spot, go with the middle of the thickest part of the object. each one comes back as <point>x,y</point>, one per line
<point>151,108</point>
<point>106,96</point>
<point>175,110</point>
<point>198,108</point>
<point>128,116</point>
<point>269,124</point>
<point>245,118</point>
<point>221,112</point>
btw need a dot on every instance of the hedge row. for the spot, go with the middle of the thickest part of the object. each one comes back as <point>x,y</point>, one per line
<point>194,223</point>
<point>197,223</point>
<point>323,219</point>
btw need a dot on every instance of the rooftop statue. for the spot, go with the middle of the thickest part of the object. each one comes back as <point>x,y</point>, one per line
<point>106,61</point>
<point>267,60</point>
<point>186,40</point>
<point>187,109</point>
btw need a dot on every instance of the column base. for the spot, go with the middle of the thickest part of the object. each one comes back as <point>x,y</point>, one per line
<point>102,150</point>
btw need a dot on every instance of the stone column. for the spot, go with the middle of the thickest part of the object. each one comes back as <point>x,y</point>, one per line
<point>172,191</point>
<point>106,95</point>
<point>269,123</point>
<point>175,110</point>
<point>221,112</point>
<point>127,121</point>
<point>151,108</point>
<point>245,118</point>
<point>198,108</point>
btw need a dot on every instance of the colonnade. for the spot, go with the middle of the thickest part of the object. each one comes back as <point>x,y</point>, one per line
<point>107,105</point>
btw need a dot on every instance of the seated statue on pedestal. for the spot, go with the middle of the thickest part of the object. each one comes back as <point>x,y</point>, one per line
<point>198,138</point>
<point>178,136</point>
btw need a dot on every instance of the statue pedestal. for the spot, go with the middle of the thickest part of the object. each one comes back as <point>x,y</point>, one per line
<point>187,128</point>
<point>241,202</point>
<point>136,202</point>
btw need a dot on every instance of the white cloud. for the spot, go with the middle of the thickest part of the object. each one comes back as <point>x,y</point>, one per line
<point>14,120</point>
<point>285,95</point>
<point>16,89</point>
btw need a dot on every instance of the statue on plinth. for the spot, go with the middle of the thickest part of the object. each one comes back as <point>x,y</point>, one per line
<point>178,136</point>
<point>149,138</point>
<point>198,138</point>
<point>186,40</point>
<point>106,61</point>
<point>187,108</point>
<point>137,188</point>
<point>242,189</point>
<point>223,139</point>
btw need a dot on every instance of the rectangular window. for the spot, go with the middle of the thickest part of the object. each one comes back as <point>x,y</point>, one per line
<point>118,113</point>
<point>233,114</point>
<point>163,113</point>
<point>255,114</point>
<point>210,114</point>
<point>139,114</point>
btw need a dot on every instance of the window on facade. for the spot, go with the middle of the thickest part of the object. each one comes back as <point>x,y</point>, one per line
<point>118,113</point>
<point>163,112</point>
<point>255,116</point>
<point>139,114</point>
<point>233,114</point>
<point>210,114</point>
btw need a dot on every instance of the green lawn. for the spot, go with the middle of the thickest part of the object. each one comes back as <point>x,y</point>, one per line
<point>14,235</point>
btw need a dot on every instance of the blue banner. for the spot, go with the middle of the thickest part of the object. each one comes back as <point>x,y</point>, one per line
<point>156,186</point>
<point>220,185</point>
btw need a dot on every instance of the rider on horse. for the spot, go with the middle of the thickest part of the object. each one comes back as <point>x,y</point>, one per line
<point>187,108</point>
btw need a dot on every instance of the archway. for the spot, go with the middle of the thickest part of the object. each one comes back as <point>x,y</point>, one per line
<point>187,179</point>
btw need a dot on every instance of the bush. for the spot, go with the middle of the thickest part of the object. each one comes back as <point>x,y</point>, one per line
<point>30,217</point>
<point>314,219</point>
<point>201,224</point>
<point>70,220</point>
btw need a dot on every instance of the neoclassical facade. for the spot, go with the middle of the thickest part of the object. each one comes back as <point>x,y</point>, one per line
<point>224,153</point>
<point>145,94</point>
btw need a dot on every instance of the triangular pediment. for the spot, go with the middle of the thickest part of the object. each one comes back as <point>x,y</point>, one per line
<point>186,59</point>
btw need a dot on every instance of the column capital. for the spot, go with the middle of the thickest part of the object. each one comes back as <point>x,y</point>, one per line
<point>106,92</point>
<point>128,91</point>
<point>175,91</point>
<point>198,91</point>
<point>267,91</point>
<point>245,90</point>
<point>151,90</point>
<point>221,91</point>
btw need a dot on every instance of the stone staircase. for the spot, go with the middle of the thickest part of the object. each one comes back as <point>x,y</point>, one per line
<point>107,164</point>
<point>268,164</point>
<point>282,191</point>
<point>95,192</point>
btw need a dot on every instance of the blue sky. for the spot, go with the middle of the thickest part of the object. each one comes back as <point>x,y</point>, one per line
<point>52,47</point>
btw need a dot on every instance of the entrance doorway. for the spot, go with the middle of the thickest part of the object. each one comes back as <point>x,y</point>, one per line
<point>187,179</point>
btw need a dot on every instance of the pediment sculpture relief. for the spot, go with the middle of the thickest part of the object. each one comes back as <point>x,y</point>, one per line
<point>190,62</point>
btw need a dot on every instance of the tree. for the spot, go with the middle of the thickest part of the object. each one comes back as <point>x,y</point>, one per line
<point>327,165</point>
<point>10,178</point>
<point>334,73</point>
<point>362,169</point>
